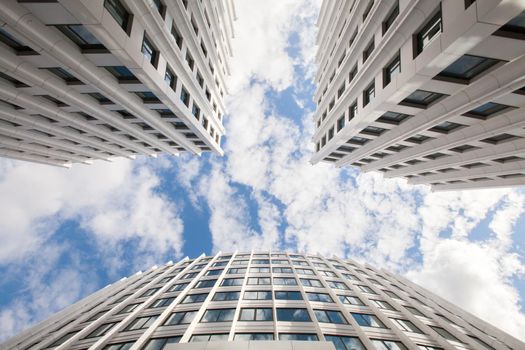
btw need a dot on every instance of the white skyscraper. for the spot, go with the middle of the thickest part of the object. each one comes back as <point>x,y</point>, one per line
<point>431,91</point>
<point>260,301</point>
<point>97,79</point>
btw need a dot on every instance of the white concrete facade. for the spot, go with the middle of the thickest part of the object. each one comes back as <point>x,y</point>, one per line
<point>263,300</point>
<point>427,90</point>
<point>96,79</point>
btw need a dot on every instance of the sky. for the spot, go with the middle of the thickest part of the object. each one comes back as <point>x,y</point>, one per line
<point>65,233</point>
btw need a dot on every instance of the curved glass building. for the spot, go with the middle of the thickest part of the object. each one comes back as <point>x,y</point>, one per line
<point>263,300</point>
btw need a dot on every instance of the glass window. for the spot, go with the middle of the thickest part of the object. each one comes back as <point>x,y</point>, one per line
<point>327,273</point>
<point>62,339</point>
<point>515,28</point>
<point>322,297</point>
<point>184,317</point>
<point>177,287</point>
<point>366,320</point>
<point>149,51</point>
<point>466,68</point>
<point>311,283</point>
<point>260,261</point>
<point>185,96</point>
<point>288,295</point>
<point>329,316</point>
<point>422,98</point>
<point>226,296</point>
<point>218,315</point>
<point>119,346</point>
<point>391,70</point>
<point>348,299</point>
<point>298,336</point>
<point>141,323</point>
<point>128,308</point>
<point>160,343</point>
<point>81,36</point>
<point>406,325</point>
<point>345,343</point>
<point>337,285</point>
<point>195,298</point>
<point>414,311</point>
<point>259,269</point>
<point>149,292</point>
<point>305,271</point>
<point>253,336</point>
<point>170,78</point>
<point>258,295</point>
<point>214,272</point>
<point>429,32</point>
<point>176,35</point>
<point>293,315</point>
<point>444,333</point>
<point>369,93</point>
<point>236,271</point>
<point>259,281</point>
<point>256,314</point>
<point>119,13</point>
<point>487,110</point>
<point>381,344</point>
<point>102,330</point>
<point>220,263</point>
<point>209,337</point>
<point>282,270</point>
<point>205,283</point>
<point>352,111</point>
<point>368,51</point>
<point>382,304</point>
<point>281,281</point>
<point>389,20</point>
<point>161,302</point>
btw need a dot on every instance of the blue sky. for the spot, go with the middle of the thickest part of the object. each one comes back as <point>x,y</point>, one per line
<point>67,233</point>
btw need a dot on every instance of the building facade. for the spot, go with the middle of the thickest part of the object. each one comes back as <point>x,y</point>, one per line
<point>97,79</point>
<point>263,300</point>
<point>427,90</point>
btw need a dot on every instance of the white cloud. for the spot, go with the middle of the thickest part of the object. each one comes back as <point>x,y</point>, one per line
<point>114,202</point>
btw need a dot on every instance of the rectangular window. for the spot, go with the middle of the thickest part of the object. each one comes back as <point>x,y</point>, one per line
<point>366,289</point>
<point>190,60</point>
<point>428,33</point>
<point>288,295</point>
<point>514,29</point>
<point>160,7</point>
<point>176,35</point>
<point>351,300</point>
<point>149,51</point>
<point>218,315</point>
<point>208,337</point>
<point>236,271</point>
<point>259,269</point>
<point>368,51</point>
<point>321,297</point>
<point>305,271</point>
<point>444,333</point>
<point>281,281</point>
<point>466,68</point>
<point>196,111</point>
<point>382,304</point>
<point>391,70</point>
<point>340,123</point>
<point>253,336</point>
<point>170,78</point>
<point>149,292</point>
<point>214,272</point>
<point>195,298</point>
<point>260,261</point>
<point>337,285</point>
<point>184,317</point>
<point>177,287</point>
<point>388,344</point>
<point>366,320</point>
<point>352,111</point>
<point>406,325</point>
<point>161,302</point>
<point>155,343</point>
<point>119,13</point>
<point>258,295</point>
<point>227,282</point>
<point>389,20</point>
<point>329,316</point>
<point>205,283</point>
<point>282,270</point>
<point>185,96</point>
<point>298,336</point>
<point>422,99</point>
<point>369,93</point>
<point>259,281</point>
<point>101,330</point>
<point>292,315</point>
<point>128,308</point>
<point>367,10</point>
<point>226,296</point>
<point>256,314</point>
<point>350,343</point>
<point>311,283</point>
<point>62,339</point>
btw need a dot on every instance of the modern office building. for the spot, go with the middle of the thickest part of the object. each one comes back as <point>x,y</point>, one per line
<point>427,90</point>
<point>96,79</point>
<point>263,300</point>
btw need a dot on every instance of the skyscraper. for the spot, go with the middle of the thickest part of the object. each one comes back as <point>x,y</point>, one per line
<point>297,301</point>
<point>98,79</point>
<point>427,90</point>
